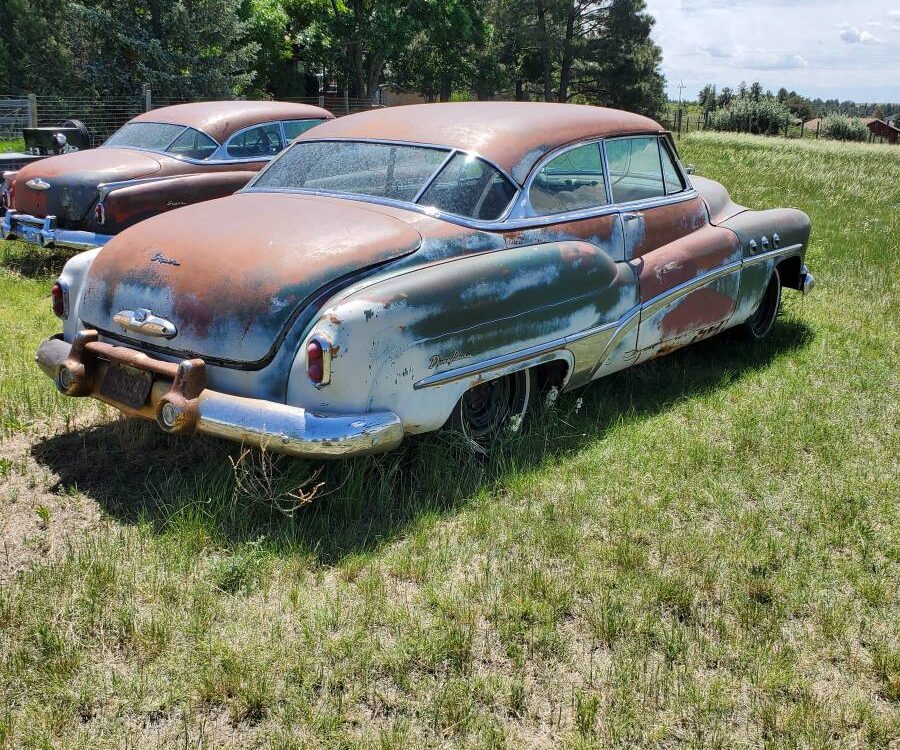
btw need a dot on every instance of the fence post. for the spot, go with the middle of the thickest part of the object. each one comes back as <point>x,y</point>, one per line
<point>818,125</point>
<point>146,97</point>
<point>346,99</point>
<point>32,111</point>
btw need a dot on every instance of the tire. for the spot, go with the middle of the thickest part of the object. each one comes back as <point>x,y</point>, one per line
<point>496,407</point>
<point>758,325</point>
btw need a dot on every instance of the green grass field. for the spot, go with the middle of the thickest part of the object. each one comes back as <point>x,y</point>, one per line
<point>702,552</point>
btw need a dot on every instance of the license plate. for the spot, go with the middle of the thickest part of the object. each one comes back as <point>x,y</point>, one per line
<point>127,385</point>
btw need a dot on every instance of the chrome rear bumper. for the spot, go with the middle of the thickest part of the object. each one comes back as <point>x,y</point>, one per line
<point>42,230</point>
<point>180,403</point>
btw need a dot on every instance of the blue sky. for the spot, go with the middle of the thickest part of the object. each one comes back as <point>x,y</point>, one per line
<point>827,48</point>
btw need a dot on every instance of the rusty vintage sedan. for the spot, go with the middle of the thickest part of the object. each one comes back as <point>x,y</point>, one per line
<point>160,160</point>
<point>403,269</point>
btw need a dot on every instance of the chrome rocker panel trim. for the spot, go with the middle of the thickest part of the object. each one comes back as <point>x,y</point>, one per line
<point>251,421</point>
<point>43,231</point>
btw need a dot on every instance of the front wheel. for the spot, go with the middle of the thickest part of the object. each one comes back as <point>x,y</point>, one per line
<point>488,410</point>
<point>758,325</point>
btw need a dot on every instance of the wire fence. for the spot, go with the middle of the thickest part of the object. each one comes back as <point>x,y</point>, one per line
<point>692,122</point>
<point>104,115</point>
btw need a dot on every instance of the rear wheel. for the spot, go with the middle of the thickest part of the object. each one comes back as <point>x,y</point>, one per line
<point>758,325</point>
<point>489,410</point>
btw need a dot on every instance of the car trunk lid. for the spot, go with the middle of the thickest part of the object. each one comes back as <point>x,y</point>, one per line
<point>232,274</point>
<point>65,186</point>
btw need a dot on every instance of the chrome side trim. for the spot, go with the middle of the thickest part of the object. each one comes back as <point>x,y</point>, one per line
<point>658,302</point>
<point>487,365</point>
<point>621,327</point>
<point>763,257</point>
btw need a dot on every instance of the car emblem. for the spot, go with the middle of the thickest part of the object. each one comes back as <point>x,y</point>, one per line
<point>142,320</point>
<point>160,258</point>
<point>38,184</point>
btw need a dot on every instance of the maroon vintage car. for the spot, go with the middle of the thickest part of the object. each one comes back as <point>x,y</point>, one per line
<point>158,161</point>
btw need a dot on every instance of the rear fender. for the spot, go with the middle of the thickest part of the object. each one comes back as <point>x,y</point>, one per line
<point>129,204</point>
<point>415,342</point>
<point>769,239</point>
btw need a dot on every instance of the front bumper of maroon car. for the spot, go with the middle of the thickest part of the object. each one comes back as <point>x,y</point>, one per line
<point>43,231</point>
<point>174,394</point>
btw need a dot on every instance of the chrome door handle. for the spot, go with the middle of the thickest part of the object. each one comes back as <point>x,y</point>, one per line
<point>630,217</point>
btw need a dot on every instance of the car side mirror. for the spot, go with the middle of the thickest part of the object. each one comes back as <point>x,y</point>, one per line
<point>690,168</point>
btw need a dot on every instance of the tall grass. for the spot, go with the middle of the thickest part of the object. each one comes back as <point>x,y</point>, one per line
<point>698,552</point>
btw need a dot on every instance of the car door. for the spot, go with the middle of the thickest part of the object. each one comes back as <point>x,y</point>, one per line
<point>677,255</point>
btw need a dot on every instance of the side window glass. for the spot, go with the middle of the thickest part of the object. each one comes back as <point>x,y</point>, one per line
<point>293,128</point>
<point>262,141</point>
<point>671,175</point>
<point>571,181</point>
<point>634,168</point>
<point>193,144</point>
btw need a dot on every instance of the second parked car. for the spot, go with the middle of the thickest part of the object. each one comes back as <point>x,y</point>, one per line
<point>160,160</point>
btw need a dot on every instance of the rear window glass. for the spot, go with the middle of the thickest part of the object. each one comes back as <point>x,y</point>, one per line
<point>152,135</point>
<point>468,186</point>
<point>383,170</point>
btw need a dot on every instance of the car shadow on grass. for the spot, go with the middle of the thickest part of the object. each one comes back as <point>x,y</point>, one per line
<point>333,509</point>
<point>32,261</point>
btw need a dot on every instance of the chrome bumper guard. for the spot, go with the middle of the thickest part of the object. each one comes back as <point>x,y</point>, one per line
<point>807,280</point>
<point>43,231</point>
<point>180,403</point>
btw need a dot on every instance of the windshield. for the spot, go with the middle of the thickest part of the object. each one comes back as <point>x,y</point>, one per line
<point>160,136</point>
<point>465,186</point>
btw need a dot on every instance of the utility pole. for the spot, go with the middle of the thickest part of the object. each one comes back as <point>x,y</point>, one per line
<point>680,113</point>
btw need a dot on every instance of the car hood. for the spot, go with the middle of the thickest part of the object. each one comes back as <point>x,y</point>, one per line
<point>72,180</point>
<point>233,274</point>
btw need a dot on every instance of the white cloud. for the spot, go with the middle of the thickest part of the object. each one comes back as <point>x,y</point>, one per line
<point>855,36</point>
<point>757,58</point>
<point>790,43</point>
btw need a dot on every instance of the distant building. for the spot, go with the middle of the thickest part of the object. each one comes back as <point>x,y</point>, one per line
<point>881,129</point>
<point>886,129</point>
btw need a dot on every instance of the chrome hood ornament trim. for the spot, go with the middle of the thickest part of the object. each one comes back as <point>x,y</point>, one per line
<point>145,322</point>
<point>38,184</point>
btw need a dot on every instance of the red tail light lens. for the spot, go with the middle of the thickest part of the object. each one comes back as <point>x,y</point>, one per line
<point>315,362</point>
<point>60,302</point>
<point>318,360</point>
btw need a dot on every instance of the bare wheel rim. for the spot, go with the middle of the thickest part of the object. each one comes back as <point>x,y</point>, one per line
<point>489,408</point>
<point>762,320</point>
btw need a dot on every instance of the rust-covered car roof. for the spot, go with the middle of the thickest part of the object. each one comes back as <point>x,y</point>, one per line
<point>513,135</point>
<point>220,119</point>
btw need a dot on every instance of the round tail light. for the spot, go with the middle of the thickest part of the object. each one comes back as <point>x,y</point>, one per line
<point>59,302</point>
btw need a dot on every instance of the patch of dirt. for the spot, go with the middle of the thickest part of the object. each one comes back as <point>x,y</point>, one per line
<point>40,514</point>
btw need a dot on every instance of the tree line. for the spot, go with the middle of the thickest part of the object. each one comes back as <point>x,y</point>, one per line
<point>595,51</point>
<point>711,100</point>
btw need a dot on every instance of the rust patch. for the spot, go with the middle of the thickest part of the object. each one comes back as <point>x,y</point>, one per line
<point>697,311</point>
